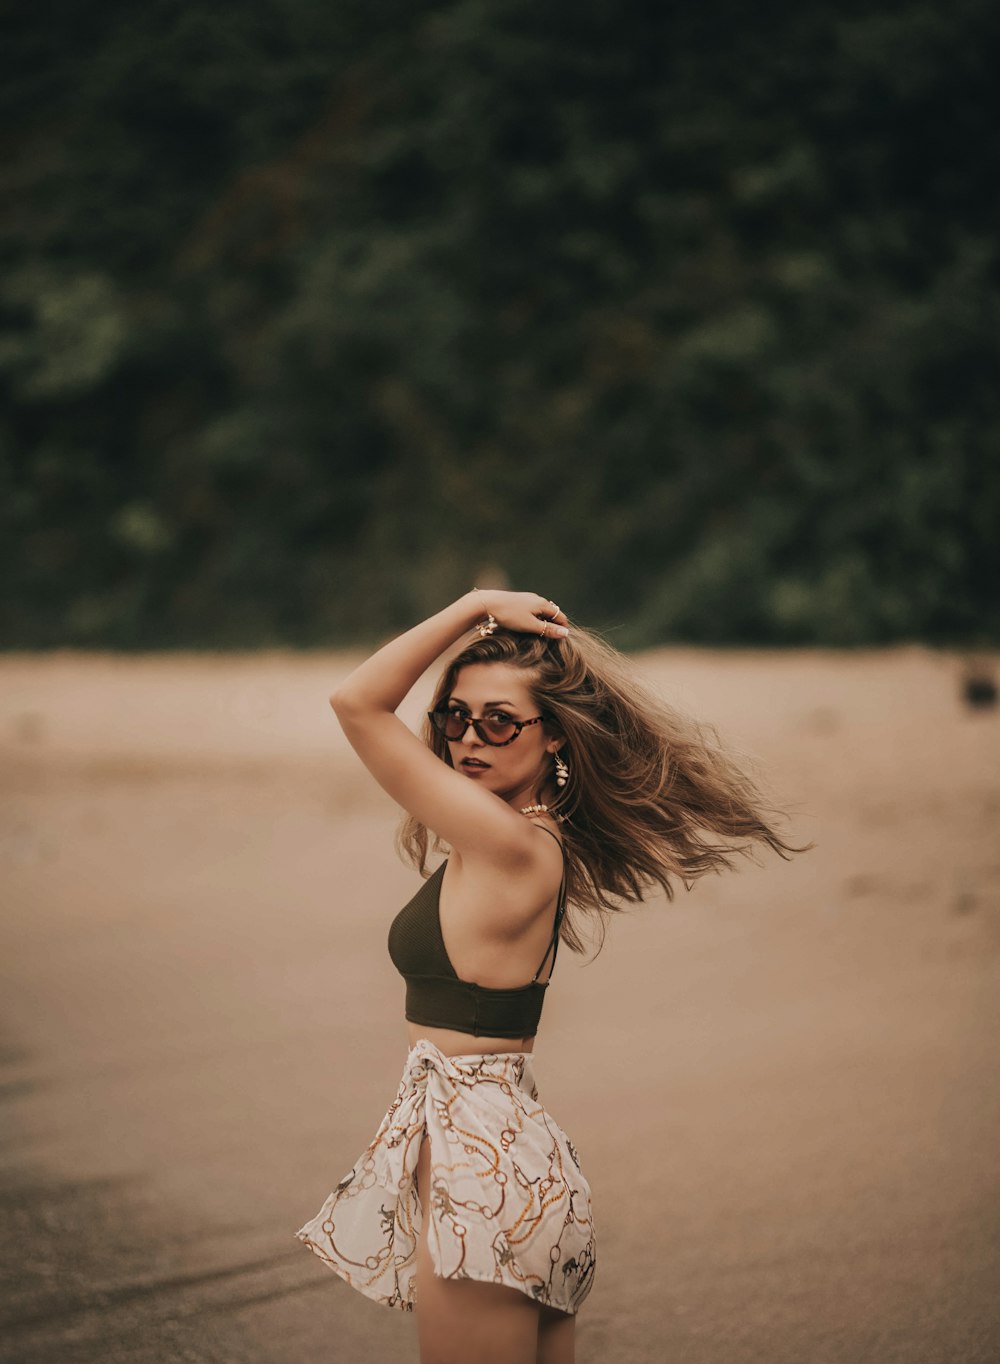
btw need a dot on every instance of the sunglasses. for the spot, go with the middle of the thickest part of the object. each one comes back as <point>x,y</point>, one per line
<point>496,729</point>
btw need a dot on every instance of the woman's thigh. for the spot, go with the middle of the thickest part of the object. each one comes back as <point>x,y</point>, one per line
<point>459,1320</point>
<point>556,1337</point>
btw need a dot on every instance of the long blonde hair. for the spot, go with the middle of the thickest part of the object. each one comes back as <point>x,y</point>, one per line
<point>650,792</point>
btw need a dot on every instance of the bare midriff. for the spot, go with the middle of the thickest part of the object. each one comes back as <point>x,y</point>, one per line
<point>452,1043</point>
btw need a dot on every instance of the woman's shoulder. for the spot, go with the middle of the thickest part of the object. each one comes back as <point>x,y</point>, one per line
<point>549,825</point>
<point>516,888</point>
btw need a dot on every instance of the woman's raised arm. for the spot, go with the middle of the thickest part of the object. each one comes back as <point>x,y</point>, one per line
<point>470,819</point>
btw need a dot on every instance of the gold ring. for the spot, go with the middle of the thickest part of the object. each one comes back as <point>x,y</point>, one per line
<point>545,627</point>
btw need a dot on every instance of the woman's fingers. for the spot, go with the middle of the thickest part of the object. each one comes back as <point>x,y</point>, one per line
<point>553,621</point>
<point>550,611</point>
<point>528,612</point>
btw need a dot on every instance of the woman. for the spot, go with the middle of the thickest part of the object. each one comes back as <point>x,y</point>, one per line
<point>553,778</point>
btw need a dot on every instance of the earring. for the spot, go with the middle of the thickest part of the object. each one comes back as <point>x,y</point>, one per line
<point>562,771</point>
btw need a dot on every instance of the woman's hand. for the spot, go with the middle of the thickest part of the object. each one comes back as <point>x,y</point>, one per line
<point>524,612</point>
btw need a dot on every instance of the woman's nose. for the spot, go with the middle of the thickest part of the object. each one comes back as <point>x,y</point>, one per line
<point>471,737</point>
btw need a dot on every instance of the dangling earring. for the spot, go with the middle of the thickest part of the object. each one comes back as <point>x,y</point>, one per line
<point>562,771</point>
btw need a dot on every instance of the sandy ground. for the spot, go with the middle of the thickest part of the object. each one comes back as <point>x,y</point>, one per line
<point>784,1087</point>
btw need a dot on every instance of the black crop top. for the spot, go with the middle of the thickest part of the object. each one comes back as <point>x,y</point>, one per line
<point>436,997</point>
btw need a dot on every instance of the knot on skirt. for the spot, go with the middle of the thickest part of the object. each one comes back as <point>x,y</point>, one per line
<point>425,1058</point>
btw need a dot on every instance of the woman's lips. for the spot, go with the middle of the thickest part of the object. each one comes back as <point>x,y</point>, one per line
<point>473,765</point>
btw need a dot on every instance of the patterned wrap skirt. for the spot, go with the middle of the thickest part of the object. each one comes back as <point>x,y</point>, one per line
<point>507,1202</point>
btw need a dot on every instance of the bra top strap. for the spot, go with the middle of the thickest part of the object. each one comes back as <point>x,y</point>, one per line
<point>553,946</point>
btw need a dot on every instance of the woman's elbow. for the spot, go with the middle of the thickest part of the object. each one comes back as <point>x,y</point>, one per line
<point>346,702</point>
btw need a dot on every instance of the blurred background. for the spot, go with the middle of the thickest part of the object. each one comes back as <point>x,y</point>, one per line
<point>686,313</point>
<point>313,314</point>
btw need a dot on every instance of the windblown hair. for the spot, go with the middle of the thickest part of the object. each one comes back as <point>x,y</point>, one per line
<point>651,797</point>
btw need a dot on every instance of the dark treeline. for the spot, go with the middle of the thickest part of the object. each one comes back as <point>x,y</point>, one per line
<point>686,315</point>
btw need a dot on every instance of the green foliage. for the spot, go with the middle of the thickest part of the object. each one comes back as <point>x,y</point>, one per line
<point>686,315</point>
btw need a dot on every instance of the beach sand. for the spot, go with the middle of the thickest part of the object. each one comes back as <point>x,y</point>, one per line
<point>784,1086</point>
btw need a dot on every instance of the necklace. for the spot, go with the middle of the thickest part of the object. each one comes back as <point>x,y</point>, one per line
<point>534,809</point>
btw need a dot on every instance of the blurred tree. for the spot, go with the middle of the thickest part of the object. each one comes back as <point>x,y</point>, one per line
<point>687,315</point>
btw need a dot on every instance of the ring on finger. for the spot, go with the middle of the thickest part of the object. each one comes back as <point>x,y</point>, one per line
<point>545,628</point>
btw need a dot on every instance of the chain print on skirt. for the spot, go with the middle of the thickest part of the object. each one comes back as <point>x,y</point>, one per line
<point>507,1203</point>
